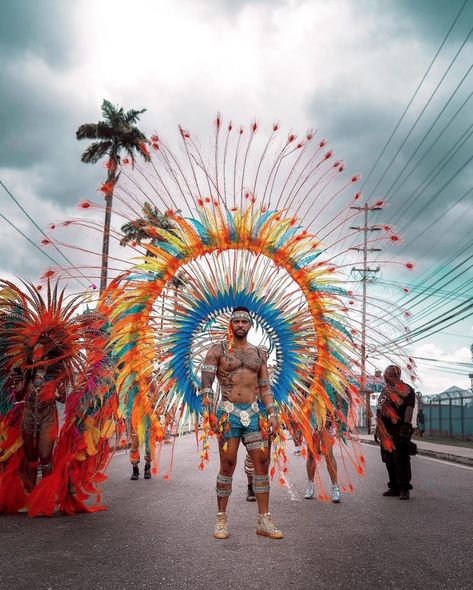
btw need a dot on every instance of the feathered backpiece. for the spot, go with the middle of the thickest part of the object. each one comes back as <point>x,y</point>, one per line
<point>258,221</point>
<point>49,334</point>
<point>39,332</point>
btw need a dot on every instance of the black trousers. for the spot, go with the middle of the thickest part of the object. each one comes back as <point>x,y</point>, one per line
<point>398,464</point>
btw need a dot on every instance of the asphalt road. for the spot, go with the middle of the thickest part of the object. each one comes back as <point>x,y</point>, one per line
<point>157,534</point>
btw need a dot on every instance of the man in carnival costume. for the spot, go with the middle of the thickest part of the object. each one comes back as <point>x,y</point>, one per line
<point>394,430</point>
<point>242,372</point>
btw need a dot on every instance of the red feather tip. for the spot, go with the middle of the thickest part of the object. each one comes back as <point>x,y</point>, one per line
<point>143,147</point>
<point>106,187</point>
<point>48,274</point>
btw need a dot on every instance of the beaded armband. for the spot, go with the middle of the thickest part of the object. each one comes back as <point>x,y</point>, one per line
<point>262,382</point>
<point>206,391</point>
<point>209,368</point>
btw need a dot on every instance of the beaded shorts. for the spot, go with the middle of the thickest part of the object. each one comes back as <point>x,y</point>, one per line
<point>242,418</point>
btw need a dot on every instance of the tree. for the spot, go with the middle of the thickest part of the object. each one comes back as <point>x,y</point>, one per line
<point>117,132</point>
<point>137,229</point>
<point>141,230</point>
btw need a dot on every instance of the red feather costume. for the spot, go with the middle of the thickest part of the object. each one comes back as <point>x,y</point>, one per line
<point>50,353</point>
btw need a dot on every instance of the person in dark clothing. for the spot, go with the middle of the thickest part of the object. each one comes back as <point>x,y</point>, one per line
<point>394,430</point>
<point>421,423</point>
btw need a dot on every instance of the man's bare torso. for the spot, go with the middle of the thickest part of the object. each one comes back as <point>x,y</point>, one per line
<point>238,371</point>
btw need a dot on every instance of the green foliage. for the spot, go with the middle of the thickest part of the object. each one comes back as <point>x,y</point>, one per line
<point>137,229</point>
<point>117,132</point>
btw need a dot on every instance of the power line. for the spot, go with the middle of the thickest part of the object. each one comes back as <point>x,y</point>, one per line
<point>396,127</point>
<point>403,143</point>
<point>45,236</point>
<point>32,243</point>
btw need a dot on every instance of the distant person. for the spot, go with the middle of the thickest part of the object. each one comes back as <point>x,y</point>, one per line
<point>323,444</point>
<point>394,430</point>
<point>421,422</point>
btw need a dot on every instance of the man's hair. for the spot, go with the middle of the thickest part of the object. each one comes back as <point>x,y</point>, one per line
<point>240,308</point>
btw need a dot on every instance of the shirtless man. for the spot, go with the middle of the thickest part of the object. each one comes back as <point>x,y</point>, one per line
<point>241,371</point>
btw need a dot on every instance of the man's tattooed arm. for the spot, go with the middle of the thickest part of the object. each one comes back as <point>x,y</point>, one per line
<point>209,370</point>
<point>264,385</point>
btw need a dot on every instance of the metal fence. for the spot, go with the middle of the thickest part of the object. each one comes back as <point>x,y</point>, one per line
<point>449,414</point>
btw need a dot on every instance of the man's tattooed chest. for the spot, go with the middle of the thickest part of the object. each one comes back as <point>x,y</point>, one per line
<point>241,359</point>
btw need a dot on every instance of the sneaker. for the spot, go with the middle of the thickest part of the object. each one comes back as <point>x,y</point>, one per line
<point>404,495</point>
<point>297,451</point>
<point>391,492</point>
<point>221,526</point>
<point>336,497</point>
<point>309,495</point>
<point>250,494</point>
<point>136,473</point>
<point>266,528</point>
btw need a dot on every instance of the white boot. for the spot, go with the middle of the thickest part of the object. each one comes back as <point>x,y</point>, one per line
<point>221,526</point>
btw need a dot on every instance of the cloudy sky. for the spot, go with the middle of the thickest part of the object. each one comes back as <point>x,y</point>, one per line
<point>346,67</point>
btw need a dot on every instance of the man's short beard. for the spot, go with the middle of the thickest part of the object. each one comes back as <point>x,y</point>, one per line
<point>238,337</point>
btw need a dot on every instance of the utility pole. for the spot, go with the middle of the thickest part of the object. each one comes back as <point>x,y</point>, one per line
<point>366,272</point>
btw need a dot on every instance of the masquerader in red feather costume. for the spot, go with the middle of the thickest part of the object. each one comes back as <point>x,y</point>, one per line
<point>46,351</point>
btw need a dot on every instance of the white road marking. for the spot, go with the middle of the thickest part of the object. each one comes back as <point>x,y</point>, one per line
<point>418,456</point>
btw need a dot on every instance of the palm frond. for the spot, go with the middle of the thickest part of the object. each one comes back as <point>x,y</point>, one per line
<point>95,151</point>
<point>133,116</point>
<point>109,111</point>
<point>87,131</point>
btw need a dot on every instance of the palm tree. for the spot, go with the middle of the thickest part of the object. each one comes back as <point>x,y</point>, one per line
<point>137,229</point>
<point>117,132</point>
<point>140,230</point>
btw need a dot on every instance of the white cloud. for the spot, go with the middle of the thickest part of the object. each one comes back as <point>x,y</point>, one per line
<point>436,381</point>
